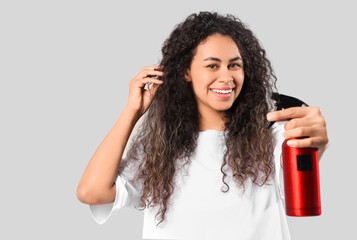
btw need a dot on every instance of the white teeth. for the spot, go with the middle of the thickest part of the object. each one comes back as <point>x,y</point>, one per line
<point>222,91</point>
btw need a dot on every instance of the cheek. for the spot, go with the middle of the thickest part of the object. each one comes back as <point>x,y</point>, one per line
<point>239,78</point>
<point>202,81</point>
<point>239,84</point>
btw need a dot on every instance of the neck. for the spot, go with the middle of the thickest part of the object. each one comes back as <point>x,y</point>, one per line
<point>212,120</point>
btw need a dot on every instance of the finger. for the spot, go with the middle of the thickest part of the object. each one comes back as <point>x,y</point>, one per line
<point>286,114</point>
<point>302,132</point>
<point>156,67</point>
<point>143,82</point>
<point>302,122</point>
<point>140,82</point>
<point>160,67</point>
<point>306,142</point>
<point>146,73</point>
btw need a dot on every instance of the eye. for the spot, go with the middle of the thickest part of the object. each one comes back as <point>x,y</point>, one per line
<point>235,65</point>
<point>212,66</point>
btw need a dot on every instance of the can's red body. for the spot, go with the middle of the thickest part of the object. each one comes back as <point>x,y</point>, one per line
<point>301,181</point>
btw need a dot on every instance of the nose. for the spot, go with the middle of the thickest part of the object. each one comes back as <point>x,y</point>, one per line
<point>226,76</point>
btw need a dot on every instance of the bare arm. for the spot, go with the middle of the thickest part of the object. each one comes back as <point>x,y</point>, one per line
<point>97,185</point>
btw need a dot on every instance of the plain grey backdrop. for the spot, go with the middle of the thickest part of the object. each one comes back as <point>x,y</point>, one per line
<point>64,70</point>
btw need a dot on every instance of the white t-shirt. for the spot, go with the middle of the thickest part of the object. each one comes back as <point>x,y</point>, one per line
<point>200,210</point>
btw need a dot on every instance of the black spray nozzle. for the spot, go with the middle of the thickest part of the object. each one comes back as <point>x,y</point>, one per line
<point>284,101</point>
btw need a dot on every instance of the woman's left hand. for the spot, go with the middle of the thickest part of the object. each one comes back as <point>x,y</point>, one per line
<point>305,122</point>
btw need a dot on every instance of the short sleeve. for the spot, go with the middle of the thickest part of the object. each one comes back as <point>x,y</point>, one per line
<point>278,131</point>
<point>128,194</point>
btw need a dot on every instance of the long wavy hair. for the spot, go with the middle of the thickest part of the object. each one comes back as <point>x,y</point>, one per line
<point>168,135</point>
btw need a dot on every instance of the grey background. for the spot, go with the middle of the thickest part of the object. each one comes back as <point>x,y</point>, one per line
<point>64,70</point>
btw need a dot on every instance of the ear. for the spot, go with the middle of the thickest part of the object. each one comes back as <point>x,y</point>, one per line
<point>188,76</point>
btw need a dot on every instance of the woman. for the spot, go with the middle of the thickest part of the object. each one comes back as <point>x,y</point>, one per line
<point>201,163</point>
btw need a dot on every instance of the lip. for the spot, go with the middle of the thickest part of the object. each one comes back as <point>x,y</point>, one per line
<point>222,95</point>
<point>224,88</point>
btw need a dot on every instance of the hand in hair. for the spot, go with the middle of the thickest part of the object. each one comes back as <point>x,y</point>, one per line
<point>140,95</point>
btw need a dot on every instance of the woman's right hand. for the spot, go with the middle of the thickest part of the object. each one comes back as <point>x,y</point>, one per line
<point>139,98</point>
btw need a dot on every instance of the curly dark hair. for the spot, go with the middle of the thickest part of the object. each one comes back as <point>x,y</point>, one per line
<point>168,136</point>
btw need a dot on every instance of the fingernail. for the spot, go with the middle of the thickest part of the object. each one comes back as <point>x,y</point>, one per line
<point>291,143</point>
<point>270,116</point>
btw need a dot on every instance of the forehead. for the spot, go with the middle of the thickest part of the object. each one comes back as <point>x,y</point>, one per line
<point>217,45</point>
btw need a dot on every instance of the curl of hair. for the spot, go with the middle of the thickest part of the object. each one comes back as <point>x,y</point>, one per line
<point>169,133</point>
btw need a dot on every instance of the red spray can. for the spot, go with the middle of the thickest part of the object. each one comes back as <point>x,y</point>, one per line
<point>301,171</point>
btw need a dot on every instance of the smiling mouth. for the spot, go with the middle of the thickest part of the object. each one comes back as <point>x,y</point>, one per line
<point>228,91</point>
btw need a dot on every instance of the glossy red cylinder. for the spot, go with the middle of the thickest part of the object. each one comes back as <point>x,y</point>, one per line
<point>301,181</point>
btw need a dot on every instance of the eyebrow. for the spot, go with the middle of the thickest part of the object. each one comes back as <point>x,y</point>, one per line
<point>219,60</point>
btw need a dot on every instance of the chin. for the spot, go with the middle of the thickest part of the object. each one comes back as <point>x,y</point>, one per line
<point>224,107</point>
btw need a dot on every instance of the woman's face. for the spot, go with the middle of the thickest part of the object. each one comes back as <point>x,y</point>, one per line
<point>216,74</point>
